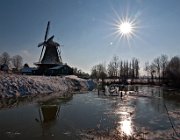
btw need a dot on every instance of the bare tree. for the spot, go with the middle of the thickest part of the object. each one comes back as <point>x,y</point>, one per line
<point>164,63</point>
<point>99,72</point>
<point>113,67</point>
<point>157,65</point>
<point>173,71</point>
<point>120,70</point>
<point>5,58</point>
<point>135,68</point>
<point>75,71</point>
<point>80,73</point>
<point>115,63</point>
<point>152,69</point>
<point>94,73</point>
<point>146,68</point>
<point>17,61</point>
<point>126,70</point>
<point>130,70</point>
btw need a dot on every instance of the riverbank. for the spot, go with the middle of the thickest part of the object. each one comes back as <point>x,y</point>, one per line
<point>12,85</point>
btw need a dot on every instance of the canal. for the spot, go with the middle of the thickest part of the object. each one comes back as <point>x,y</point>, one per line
<point>149,113</point>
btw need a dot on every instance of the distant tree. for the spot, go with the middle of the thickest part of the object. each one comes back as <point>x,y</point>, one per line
<point>121,69</point>
<point>17,61</point>
<point>147,68</point>
<point>157,66</point>
<point>173,71</point>
<point>101,69</point>
<point>94,73</point>
<point>115,63</point>
<point>152,69</point>
<point>133,68</point>
<point>113,67</point>
<point>99,72</point>
<point>163,65</point>
<point>5,58</point>
<point>130,70</point>
<point>75,71</point>
<point>80,73</point>
<point>126,70</point>
<point>136,68</point>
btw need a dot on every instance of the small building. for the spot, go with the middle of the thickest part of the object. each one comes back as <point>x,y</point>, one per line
<point>62,69</point>
<point>27,70</point>
<point>4,67</point>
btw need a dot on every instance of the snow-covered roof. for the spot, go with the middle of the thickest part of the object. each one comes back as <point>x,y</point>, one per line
<point>58,67</point>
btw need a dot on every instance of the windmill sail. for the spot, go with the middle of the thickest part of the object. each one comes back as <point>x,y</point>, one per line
<point>45,38</point>
<point>50,62</point>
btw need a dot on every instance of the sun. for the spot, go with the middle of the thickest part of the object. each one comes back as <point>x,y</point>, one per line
<point>125,28</point>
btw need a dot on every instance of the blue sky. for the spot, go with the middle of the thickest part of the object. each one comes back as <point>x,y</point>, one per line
<point>85,29</point>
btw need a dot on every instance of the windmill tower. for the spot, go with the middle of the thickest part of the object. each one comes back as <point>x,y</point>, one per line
<point>50,54</point>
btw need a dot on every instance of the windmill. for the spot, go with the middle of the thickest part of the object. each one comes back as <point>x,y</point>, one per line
<point>50,54</point>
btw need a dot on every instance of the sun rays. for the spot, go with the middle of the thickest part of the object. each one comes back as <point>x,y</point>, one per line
<point>125,28</point>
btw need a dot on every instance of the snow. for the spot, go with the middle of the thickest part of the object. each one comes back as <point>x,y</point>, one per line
<point>22,85</point>
<point>57,67</point>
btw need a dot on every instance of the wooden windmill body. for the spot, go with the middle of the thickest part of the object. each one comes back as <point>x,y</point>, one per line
<point>51,54</point>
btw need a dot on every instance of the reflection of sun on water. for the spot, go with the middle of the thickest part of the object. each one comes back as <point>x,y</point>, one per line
<point>125,123</point>
<point>126,127</point>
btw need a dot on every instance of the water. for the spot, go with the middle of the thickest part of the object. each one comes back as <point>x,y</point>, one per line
<point>140,115</point>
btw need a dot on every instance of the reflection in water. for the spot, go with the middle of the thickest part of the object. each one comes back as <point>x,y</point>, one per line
<point>131,117</point>
<point>49,109</point>
<point>126,127</point>
<point>49,112</point>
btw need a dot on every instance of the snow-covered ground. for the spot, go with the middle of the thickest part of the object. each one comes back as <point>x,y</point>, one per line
<point>21,85</point>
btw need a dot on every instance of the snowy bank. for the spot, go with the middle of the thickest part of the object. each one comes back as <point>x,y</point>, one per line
<point>22,85</point>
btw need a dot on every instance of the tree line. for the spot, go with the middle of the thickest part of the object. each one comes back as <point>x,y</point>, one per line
<point>15,61</point>
<point>160,71</point>
<point>166,71</point>
<point>80,73</point>
<point>117,69</point>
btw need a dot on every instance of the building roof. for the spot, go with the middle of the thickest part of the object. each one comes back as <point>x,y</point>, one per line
<point>27,69</point>
<point>59,67</point>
